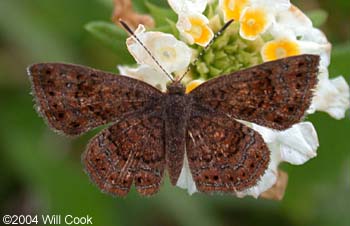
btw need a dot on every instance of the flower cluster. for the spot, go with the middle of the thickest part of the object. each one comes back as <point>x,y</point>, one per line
<point>263,30</point>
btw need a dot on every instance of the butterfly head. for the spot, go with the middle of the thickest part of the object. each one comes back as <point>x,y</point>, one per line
<point>176,88</point>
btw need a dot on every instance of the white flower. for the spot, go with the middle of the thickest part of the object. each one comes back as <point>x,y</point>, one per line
<point>295,22</point>
<point>147,74</point>
<point>331,96</point>
<point>292,20</point>
<point>285,47</point>
<point>232,9</point>
<point>295,25</point>
<point>254,21</point>
<point>255,16</point>
<point>192,24</point>
<point>194,28</point>
<point>172,54</point>
<point>186,6</point>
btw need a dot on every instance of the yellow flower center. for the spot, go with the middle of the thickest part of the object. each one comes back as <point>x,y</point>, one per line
<point>232,9</point>
<point>278,49</point>
<point>253,22</point>
<point>192,85</point>
<point>200,31</point>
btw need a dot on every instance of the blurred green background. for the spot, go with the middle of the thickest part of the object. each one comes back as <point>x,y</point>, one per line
<point>41,173</point>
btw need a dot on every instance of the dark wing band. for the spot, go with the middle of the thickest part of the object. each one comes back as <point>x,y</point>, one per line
<point>274,94</point>
<point>74,99</point>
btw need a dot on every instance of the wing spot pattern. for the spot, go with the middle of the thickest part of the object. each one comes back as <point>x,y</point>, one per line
<point>222,166</point>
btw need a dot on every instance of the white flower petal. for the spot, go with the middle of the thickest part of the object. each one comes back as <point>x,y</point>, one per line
<point>268,134</point>
<point>332,96</point>
<point>299,143</point>
<point>183,24</point>
<point>171,53</point>
<point>294,20</point>
<point>273,5</point>
<point>296,145</point>
<point>186,6</point>
<point>146,74</point>
<point>185,180</point>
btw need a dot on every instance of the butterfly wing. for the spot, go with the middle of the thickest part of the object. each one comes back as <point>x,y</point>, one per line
<point>223,154</point>
<point>132,150</point>
<point>274,94</point>
<point>74,99</point>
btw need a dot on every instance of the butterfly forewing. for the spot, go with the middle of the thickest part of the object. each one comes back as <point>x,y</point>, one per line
<point>131,150</point>
<point>74,99</point>
<point>274,94</point>
<point>223,154</point>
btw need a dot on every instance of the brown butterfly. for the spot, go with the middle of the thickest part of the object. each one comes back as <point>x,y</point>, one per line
<point>152,131</point>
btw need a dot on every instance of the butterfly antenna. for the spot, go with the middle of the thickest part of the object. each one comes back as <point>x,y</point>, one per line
<point>217,34</point>
<point>124,24</point>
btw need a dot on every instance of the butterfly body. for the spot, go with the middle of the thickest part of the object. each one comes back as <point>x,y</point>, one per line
<point>176,111</point>
<point>153,131</point>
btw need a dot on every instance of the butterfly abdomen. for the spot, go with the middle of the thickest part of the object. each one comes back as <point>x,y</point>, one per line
<point>176,110</point>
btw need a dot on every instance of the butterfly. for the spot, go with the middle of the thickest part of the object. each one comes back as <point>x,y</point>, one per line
<point>152,131</point>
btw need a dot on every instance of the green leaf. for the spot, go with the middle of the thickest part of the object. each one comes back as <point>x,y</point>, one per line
<point>170,29</point>
<point>160,15</point>
<point>174,30</point>
<point>340,61</point>
<point>318,17</point>
<point>111,36</point>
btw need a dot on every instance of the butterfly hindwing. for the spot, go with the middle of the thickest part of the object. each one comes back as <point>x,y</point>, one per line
<point>223,154</point>
<point>274,94</point>
<point>74,99</point>
<point>131,150</point>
